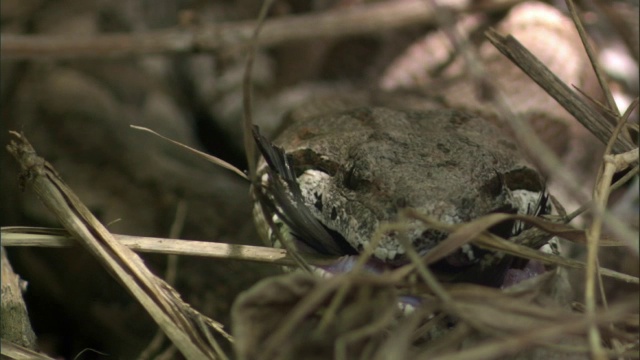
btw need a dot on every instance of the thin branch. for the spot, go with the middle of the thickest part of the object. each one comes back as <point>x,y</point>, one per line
<point>14,351</point>
<point>601,197</point>
<point>21,237</point>
<point>247,92</point>
<point>600,75</point>
<point>201,154</point>
<point>356,20</point>
<point>618,184</point>
<point>176,318</point>
<point>601,127</point>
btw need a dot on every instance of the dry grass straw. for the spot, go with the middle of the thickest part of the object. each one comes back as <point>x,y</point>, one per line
<point>14,351</point>
<point>188,329</point>
<point>218,38</point>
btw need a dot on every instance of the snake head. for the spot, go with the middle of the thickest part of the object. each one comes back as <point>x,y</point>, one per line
<point>349,172</point>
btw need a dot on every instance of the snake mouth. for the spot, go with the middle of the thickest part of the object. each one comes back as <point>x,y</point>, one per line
<point>509,272</point>
<point>321,249</point>
<point>463,265</point>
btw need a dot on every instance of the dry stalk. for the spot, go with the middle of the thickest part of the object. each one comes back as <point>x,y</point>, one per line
<point>42,237</point>
<point>364,19</point>
<point>576,106</point>
<point>611,165</point>
<point>176,318</point>
<point>10,350</point>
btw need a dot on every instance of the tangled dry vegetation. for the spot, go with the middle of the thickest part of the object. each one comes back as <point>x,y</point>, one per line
<point>76,75</point>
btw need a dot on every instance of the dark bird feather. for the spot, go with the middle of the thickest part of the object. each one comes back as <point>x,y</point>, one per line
<point>289,203</point>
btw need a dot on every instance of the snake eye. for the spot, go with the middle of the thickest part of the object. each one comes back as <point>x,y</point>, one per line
<point>307,159</point>
<point>523,179</point>
<point>350,180</point>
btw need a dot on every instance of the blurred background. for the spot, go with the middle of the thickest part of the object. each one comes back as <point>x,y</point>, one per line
<point>76,111</point>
